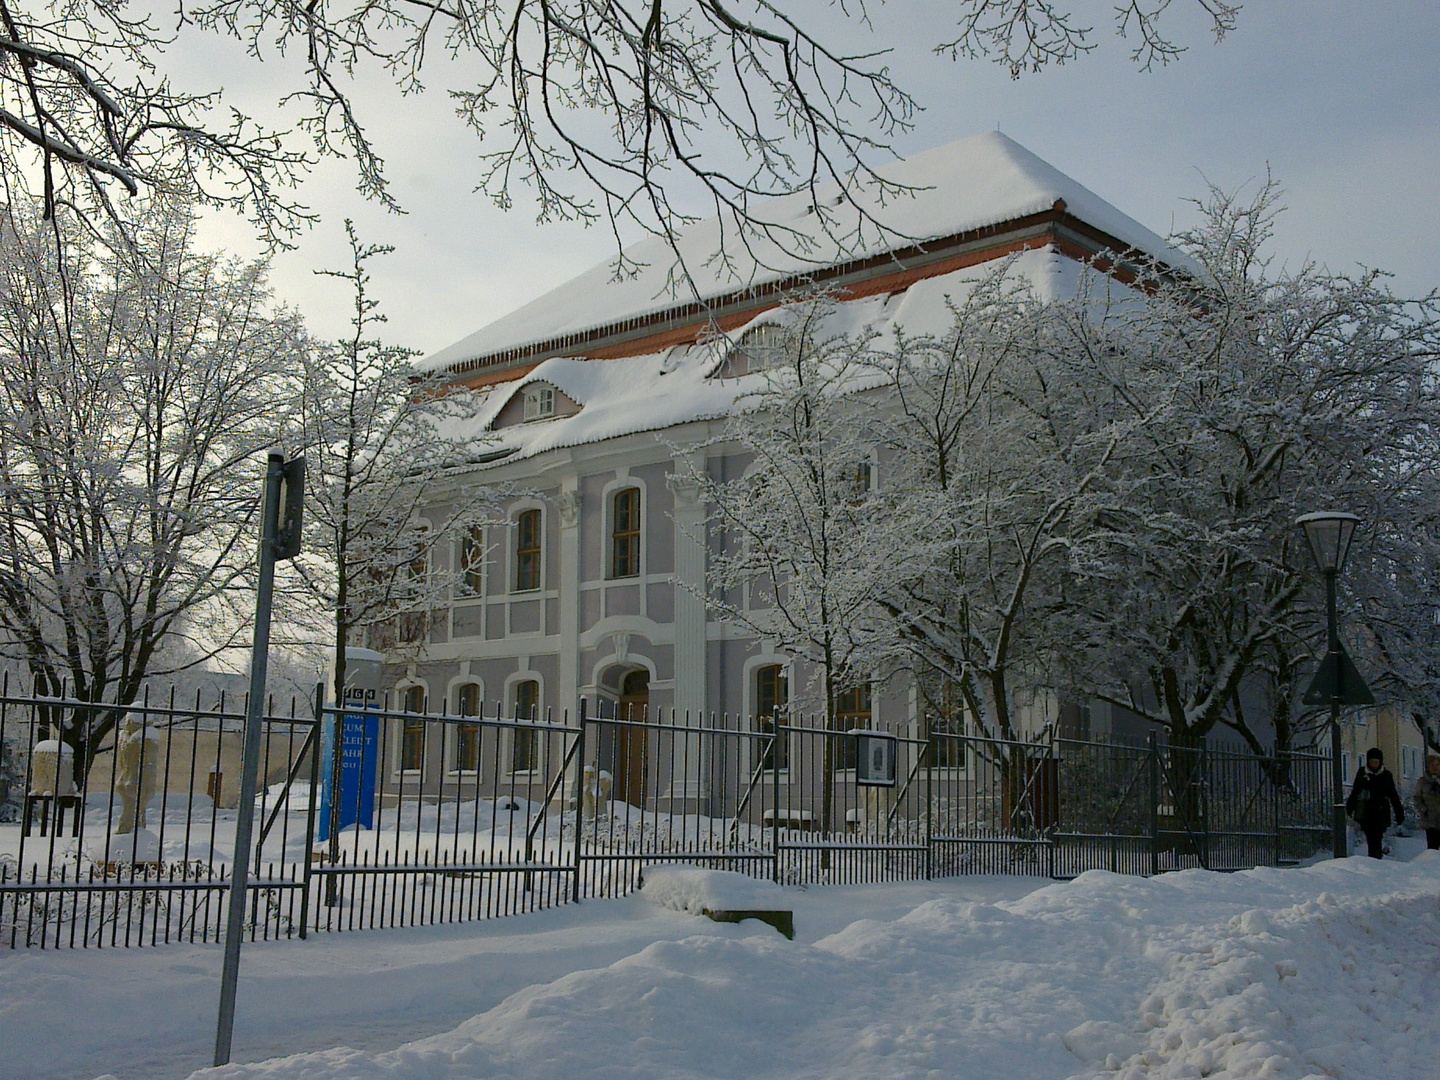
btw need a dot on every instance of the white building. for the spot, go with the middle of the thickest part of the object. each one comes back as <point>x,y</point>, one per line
<point>596,395</point>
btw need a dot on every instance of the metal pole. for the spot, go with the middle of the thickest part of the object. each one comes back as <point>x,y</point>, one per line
<point>310,809</point>
<point>1337,768</point>
<point>254,712</point>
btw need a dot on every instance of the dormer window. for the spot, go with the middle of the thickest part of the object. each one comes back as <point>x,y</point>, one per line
<point>759,348</point>
<point>539,402</point>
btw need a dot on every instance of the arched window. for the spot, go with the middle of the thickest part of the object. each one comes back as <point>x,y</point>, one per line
<point>772,695</point>
<point>467,736</point>
<point>625,533</point>
<point>412,733</point>
<point>525,746</point>
<point>527,551</point>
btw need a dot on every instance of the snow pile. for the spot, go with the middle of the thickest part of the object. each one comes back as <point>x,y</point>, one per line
<point>1282,974</point>
<point>693,890</point>
<point>1325,988</point>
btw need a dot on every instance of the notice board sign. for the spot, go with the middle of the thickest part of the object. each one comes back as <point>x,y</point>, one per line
<point>875,760</point>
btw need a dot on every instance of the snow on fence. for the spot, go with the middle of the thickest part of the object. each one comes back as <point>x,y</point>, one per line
<point>122,817</point>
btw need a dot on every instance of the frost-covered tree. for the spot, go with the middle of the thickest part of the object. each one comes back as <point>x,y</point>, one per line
<point>998,445</point>
<point>1281,392</point>
<point>1393,580</point>
<point>381,519</point>
<point>612,109</point>
<point>1096,494</point>
<point>138,384</point>
<point>793,556</point>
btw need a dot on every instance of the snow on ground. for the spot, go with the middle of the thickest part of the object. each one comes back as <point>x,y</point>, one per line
<point>1331,970</point>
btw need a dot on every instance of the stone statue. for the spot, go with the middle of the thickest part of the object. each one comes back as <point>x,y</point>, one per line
<point>137,766</point>
<point>595,791</point>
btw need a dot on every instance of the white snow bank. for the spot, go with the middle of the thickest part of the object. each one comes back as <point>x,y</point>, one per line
<point>1282,974</point>
<point>694,890</point>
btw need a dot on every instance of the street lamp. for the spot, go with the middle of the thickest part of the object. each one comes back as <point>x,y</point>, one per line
<point>1337,682</point>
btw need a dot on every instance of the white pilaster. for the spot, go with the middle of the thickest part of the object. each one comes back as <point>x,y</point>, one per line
<point>689,514</point>
<point>567,507</point>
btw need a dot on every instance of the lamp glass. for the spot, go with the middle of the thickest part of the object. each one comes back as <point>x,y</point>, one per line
<point>1329,534</point>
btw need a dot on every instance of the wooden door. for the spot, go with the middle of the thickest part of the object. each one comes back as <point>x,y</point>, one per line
<point>630,742</point>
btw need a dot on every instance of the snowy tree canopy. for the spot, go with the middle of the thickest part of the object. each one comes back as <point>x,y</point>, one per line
<point>142,384</point>
<point>379,443</point>
<point>1097,493</point>
<point>616,110</point>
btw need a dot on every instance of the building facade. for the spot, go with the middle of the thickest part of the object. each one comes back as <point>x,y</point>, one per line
<point>604,399</point>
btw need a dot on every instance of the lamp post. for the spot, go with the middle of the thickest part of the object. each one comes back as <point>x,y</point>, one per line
<point>1329,533</point>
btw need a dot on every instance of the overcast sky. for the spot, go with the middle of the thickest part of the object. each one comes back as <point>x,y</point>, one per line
<point>1339,100</point>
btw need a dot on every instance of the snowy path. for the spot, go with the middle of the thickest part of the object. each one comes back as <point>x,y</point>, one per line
<point>1333,970</point>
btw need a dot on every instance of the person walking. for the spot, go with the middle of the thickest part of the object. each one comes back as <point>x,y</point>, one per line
<point>1372,796</point>
<point>1427,801</point>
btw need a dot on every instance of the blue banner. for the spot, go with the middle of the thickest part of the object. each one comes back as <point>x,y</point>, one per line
<point>359,767</point>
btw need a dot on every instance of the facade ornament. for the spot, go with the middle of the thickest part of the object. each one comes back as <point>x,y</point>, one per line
<point>622,646</point>
<point>568,504</point>
<point>685,486</point>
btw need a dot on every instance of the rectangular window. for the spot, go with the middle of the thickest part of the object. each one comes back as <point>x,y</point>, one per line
<point>852,710</point>
<point>947,748</point>
<point>467,736</point>
<point>412,733</point>
<point>527,551</point>
<point>625,534</point>
<point>472,561</point>
<point>525,746</point>
<point>412,627</point>
<point>539,402</point>
<point>772,694</point>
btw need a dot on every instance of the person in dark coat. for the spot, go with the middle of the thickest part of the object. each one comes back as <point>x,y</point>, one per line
<point>1372,797</point>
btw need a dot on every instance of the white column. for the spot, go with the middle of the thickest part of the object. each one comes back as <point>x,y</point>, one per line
<point>567,506</point>
<point>692,791</point>
<point>689,587</point>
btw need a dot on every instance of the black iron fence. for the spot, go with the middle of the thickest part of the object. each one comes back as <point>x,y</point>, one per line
<point>117,822</point>
<point>123,817</point>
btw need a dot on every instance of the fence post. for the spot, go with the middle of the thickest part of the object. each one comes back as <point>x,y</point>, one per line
<point>1154,807</point>
<point>928,811</point>
<point>310,812</point>
<point>775,798</point>
<point>1274,792</point>
<point>579,803</point>
<point>1051,797</point>
<point>1206,861</point>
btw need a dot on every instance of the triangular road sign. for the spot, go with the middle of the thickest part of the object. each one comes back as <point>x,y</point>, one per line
<point>1337,676</point>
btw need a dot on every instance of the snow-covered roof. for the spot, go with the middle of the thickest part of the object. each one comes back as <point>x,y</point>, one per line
<point>971,184</point>
<point>661,390</point>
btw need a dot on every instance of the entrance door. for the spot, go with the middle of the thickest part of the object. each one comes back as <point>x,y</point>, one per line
<point>630,742</point>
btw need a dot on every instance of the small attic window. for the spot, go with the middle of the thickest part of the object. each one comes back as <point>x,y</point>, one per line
<point>759,348</point>
<point>539,402</point>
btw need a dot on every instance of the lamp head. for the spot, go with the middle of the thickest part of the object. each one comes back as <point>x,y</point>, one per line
<point>1329,533</point>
